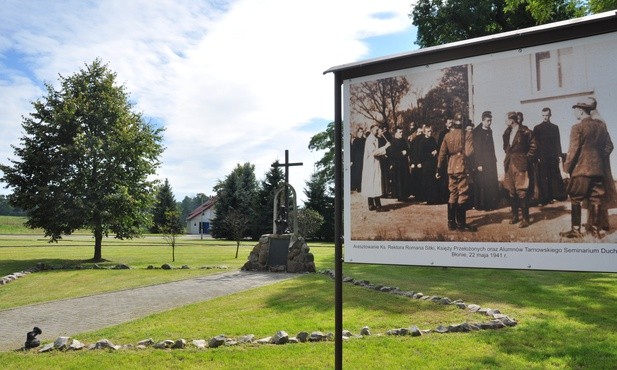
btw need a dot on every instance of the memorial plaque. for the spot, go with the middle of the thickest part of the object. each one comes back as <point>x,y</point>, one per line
<point>279,250</point>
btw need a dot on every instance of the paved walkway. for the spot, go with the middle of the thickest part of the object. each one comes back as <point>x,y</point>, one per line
<point>68,317</point>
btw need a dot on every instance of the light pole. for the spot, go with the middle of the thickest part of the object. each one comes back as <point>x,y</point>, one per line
<point>201,226</point>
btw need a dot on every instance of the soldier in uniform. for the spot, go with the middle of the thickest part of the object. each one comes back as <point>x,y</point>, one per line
<point>455,151</point>
<point>520,147</point>
<point>588,154</point>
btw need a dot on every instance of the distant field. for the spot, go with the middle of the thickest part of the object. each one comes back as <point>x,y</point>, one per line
<point>15,225</point>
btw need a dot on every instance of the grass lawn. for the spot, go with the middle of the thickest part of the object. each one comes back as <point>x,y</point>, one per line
<point>566,320</point>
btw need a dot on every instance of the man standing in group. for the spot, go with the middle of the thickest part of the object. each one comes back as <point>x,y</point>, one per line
<point>588,155</point>
<point>455,151</point>
<point>357,158</point>
<point>372,186</point>
<point>550,183</point>
<point>520,147</point>
<point>486,184</point>
<point>399,156</point>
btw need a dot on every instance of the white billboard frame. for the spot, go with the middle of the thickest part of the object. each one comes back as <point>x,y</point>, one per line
<point>386,243</point>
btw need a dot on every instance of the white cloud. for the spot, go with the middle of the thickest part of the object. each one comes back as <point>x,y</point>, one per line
<point>232,82</point>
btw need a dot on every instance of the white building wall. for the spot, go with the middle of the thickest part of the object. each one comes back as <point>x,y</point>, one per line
<point>507,82</point>
<point>193,223</point>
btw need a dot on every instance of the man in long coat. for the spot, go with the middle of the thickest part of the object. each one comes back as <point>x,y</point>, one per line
<point>520,147</point>
<point>550,183</point>
<point>486,184</point>
<point>586,162</point>
<point>372,186</point>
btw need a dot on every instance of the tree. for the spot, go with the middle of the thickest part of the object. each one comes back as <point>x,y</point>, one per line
<point>85,159</point>
<point>320,187</point>
<point>320,198</point>
<point>440,21</point>
<point>449,96</point>
<point>165,202</point>
<point>171,226</point>
<point>599,6</point>
<point>379,100</point>
<point>309,222</point>
<point>7,210</point>
<point>265,200</point>
<point>324,141</point>
<point>236,192</point>
<point>236,223</point>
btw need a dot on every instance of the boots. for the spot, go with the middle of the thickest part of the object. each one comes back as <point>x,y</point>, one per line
<point>461,219</point>
<point>595,220</point>
<point>525,212</point>
<point>371,204</point>
<point>378,205</point>
<point>451,216</point>
<point>575,232</point>
<point>514,219</point>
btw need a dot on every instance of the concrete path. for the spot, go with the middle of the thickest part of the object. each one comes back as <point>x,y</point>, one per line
<point>68,317</point>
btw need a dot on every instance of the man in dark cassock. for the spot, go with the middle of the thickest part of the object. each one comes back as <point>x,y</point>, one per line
<point>428,153</point>
<point>385,137</point>
<point>357,158</point>
<point>415,159</point>
<point>549,181</point>
<point>399,155</point>
<point>485,184</point>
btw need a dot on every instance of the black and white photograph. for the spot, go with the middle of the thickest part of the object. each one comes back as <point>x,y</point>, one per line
<point>485,155</point>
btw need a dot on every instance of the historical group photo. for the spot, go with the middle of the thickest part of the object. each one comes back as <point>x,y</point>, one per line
<point>470,153</point>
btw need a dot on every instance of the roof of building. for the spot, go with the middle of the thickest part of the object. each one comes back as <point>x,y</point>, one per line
<point>202,208</point>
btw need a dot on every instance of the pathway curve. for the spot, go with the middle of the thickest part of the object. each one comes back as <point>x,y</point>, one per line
<point>68,317</point>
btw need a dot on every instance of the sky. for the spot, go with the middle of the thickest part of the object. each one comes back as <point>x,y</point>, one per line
<point>230,81</point>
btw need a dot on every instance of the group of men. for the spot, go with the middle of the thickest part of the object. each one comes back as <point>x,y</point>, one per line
<point>398,165</point>
<point>463,160</point>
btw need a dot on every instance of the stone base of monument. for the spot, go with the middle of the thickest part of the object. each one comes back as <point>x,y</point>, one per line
<point>281,253</point>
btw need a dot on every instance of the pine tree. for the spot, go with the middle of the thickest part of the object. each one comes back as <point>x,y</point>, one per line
<point>265,201</point>
<point>236,193</point>
<point>320,198</point>
<point>165,202</point>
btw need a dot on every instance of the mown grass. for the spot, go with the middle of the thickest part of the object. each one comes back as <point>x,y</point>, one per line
<point>566,320</point>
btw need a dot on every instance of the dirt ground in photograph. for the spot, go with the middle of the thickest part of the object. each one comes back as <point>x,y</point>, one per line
<point>414,221</point>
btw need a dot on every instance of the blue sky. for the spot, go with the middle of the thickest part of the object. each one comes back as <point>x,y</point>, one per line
<point>231,81</point>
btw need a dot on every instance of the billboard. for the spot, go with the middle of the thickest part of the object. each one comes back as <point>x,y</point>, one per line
<point>397,203</point>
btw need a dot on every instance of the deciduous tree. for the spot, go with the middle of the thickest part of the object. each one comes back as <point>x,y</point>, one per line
<point>171,227</point>
<point>444,21</point>
<point>85,159</point>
